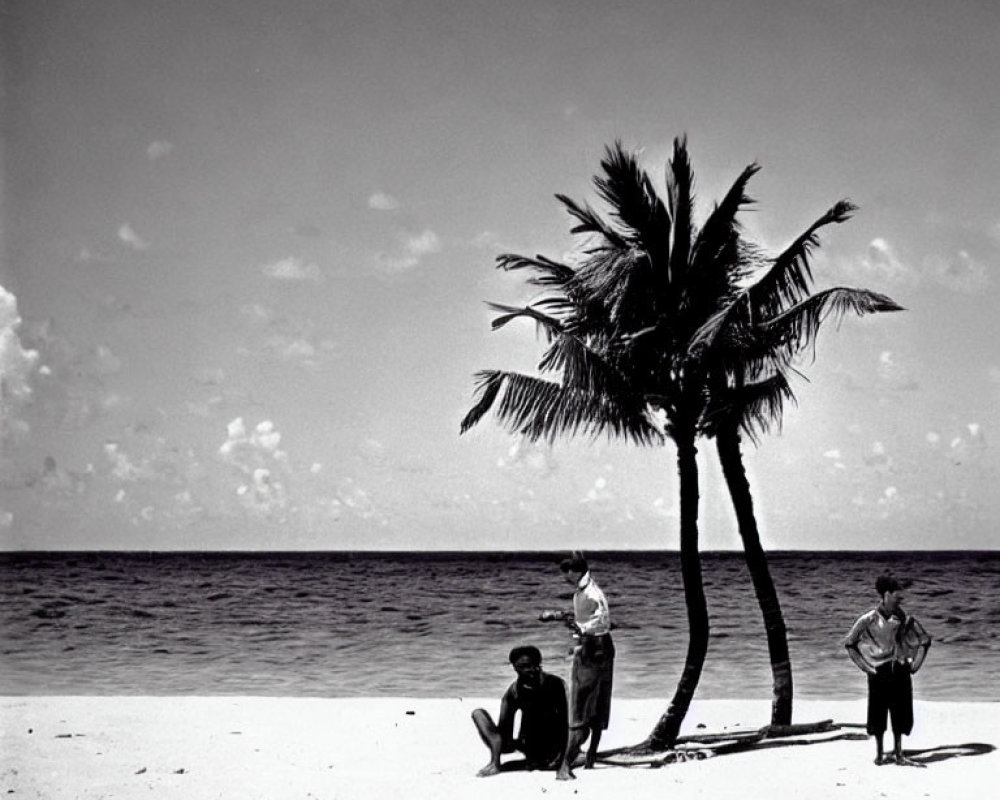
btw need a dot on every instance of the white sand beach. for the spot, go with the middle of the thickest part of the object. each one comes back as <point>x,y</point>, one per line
<point>250,747</point>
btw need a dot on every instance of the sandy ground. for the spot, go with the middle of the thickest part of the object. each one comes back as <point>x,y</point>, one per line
<point>242,747</point>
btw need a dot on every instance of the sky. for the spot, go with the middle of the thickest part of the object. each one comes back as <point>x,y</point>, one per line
<point>247,246</point>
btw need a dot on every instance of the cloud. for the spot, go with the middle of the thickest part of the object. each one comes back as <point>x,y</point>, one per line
<point>17,366</point>
<point>88,256</point>
<point>535,457</point>
<point>259,465</point>
<point>127,234</point>
<point>881,262</point>
<point>423,243</point>
<point>414,248</point>
<point>292,269</point>
<point>895,374</point>
<point>960,272</point>
<point>257,312</point>
<point>380,201</point>
<point>879,459</point>
<point>158,149</point>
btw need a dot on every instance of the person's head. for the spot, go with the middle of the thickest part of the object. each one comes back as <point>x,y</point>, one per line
<point>890,589</point>
<point>527,663</point>
<point>574,567</point>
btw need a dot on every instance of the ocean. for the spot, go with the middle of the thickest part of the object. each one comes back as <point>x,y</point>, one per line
<point>422,624</point>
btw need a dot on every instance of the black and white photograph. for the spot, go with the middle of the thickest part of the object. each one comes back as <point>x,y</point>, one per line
<point>464,399</point>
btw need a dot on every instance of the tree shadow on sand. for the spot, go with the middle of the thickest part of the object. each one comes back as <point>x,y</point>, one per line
<point>701,746</point>
<point>931,755</point>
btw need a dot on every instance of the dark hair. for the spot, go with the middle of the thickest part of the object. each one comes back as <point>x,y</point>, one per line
<point>886,583</point>
<point>528,650</point>
<point>575,563</point>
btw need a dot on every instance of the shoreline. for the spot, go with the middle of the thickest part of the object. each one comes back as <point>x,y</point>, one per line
<point>276,747</point>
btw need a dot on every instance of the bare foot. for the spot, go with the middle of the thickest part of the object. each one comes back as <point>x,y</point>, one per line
<point>881,760</point>
<point>565,774</point>
<point>489,769</point>
<point>588,762</point>
<point>903,761</point>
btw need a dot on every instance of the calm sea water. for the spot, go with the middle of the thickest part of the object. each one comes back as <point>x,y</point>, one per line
<point>441,624</point>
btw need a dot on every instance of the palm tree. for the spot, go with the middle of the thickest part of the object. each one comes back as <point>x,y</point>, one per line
<point>751,343</point>
<point>621,328</point>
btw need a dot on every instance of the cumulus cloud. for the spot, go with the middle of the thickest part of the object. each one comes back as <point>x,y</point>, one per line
<point>259,464</point>
<point>881,262</point>
<point>380,201</point>
<point>257,312</point>
<point>88,256</point>
<point>17,365</point>
<point>158,149</point>
<point>894,373</point>
<point>415,247</point>
<point>879,459</point>
<point>423,243</point>
<point>292,269</point>
<point>959,272</point>
<point>599,492</point>
<point>128,235</point>
<point>532,456</point>
<point>71,383</point>
<point>969,447</point>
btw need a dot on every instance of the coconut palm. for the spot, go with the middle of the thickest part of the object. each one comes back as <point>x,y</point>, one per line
<point>751,343</point>
<point>620,327</point>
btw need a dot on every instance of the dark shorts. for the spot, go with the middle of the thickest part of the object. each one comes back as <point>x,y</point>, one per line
<point>890,694</point>
<point>590,683</point>
<point>539,758</point>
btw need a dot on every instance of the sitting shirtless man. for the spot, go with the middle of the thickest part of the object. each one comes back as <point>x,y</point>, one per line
<point>541,699</point>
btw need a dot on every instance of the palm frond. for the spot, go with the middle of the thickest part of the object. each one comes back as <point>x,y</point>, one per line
<point>591,222</point>
<point>584,367</point>
<point>757,407</point>
<point>763,404</point>
<point>722,222</point>
<point>537,409</point>
<point>728,320</point>
<point>680,199</point>
<point>551,326</point>
<point>787,280</point>
<point>794,329</point>
<point>609,279</point>
<point>488,384</point>
<point>628,190</point>
<point>551,273</point>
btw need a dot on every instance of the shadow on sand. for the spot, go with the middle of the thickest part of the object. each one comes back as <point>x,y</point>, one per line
<point>709,745</point>
<point>622,758</point>
<point>931,755</point>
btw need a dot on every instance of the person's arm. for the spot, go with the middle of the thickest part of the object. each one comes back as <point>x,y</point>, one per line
<point>851,643</point>
<point>595,612</point>
<point>858,659</point>
<point>925,644</point>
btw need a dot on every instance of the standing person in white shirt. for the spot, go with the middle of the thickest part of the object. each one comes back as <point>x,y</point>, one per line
<point>593,665</point>
<point>889,646</point>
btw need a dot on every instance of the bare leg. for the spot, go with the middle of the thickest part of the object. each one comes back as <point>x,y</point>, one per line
<point>879,749</point>
<point>577,736</point>
<point>595,740</point>
<point>902,760</point>
<point>490,735</point>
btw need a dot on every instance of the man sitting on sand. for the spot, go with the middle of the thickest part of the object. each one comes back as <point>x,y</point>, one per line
<point>889,645</point>
<point>541,699</point>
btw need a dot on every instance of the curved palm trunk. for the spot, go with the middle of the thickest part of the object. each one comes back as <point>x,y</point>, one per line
<point>665,733</point>
<point>731,458</point>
